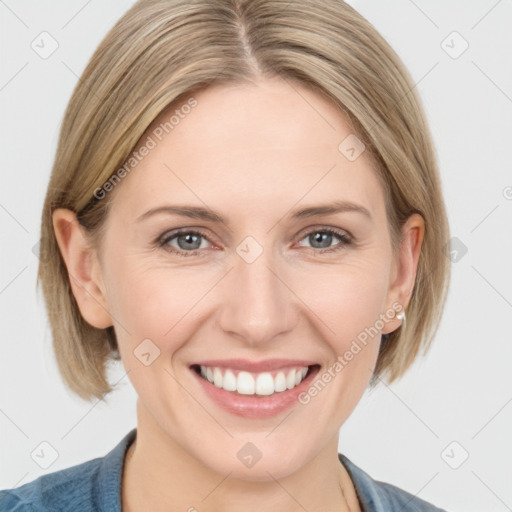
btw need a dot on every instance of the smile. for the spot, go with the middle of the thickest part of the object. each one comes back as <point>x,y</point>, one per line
<point>247,383</point>
<point>254,389</point>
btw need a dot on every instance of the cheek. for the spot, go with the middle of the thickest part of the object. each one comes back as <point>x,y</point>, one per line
<point>346,298</point>
<point>157,302</point>
<point>148,302</point>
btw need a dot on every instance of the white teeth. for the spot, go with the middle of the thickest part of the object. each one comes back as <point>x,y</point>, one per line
<point>217,377</point>
<point>280,382</point>
<point>264,384</point>
<point>245,383</point>
<point>229,382</point>
<point>290,379</point>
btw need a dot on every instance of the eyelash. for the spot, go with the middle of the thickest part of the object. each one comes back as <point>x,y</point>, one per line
<point>164,240</point>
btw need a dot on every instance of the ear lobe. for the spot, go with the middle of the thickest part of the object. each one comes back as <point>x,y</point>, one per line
<point>83,268</point>
<point>406,266</point>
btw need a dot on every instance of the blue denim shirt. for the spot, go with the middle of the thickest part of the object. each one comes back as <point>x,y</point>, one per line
<point>95,486</point>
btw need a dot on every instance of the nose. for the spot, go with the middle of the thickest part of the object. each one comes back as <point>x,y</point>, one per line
<point>256,304</point>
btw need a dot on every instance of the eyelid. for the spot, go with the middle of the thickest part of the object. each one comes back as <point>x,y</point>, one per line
<point>323,227</point>
<point>344,235</point>
<point>172,233</point>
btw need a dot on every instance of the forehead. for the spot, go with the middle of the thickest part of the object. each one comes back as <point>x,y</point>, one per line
<point>249,145</point>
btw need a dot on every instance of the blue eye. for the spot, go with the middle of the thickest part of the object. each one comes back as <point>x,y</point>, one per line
<point>190,241</point>
<point>326,237</point>
<point>186,240</point>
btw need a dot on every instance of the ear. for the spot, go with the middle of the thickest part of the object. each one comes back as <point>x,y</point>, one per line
<point>83,268</point>
<point>405,267</point>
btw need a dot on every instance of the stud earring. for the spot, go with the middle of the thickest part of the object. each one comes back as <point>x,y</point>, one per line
<point>401,316</point>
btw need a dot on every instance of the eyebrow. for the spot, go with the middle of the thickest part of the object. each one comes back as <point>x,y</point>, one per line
<point>199,212</point>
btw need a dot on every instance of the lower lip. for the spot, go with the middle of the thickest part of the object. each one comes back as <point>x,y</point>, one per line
<point>254,406</point>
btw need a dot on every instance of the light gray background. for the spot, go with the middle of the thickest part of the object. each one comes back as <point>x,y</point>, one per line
<point>460,392</point>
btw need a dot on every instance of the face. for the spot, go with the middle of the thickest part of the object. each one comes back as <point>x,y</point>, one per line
<point>257,299</point>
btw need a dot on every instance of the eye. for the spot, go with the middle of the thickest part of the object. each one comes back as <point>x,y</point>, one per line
<point>188,242</point>
<point>321,239</point>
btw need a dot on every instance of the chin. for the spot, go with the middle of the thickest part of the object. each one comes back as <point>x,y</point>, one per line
<point>256,461</point>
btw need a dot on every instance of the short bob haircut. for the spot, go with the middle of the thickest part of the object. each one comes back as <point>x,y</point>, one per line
<point>157,55</point>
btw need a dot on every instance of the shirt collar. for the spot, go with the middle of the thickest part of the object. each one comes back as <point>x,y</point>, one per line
<point>108,484</point>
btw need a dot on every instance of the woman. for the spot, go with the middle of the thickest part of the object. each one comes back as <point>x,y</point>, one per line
<point>245,209</point>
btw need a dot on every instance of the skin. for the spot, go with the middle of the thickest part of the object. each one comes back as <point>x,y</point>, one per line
<point>254,153</point>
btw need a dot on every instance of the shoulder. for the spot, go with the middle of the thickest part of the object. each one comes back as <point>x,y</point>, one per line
<point>48,492</point>
<point>91,485</point>
<point>378,496</point>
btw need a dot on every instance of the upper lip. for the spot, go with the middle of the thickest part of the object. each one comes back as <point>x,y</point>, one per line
<point>255,366</point>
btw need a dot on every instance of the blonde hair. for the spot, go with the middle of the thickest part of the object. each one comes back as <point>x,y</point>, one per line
<point>162,51</point>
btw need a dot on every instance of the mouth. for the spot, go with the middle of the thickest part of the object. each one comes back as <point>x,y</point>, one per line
<point>254,389</point>
<point>255,384</point>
